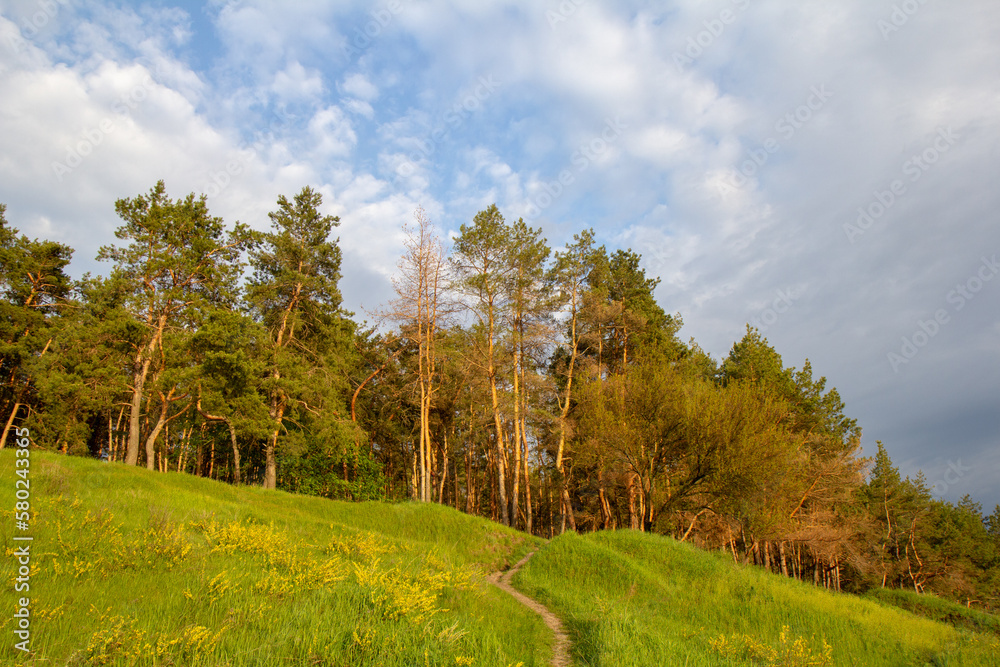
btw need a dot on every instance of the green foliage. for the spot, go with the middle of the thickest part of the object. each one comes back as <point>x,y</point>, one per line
<point>624,319</point>
<point>34,289</point>
<point>177,257</point>
<point>296,264</point>
<point>336,463</point>
<point>754,360</point>
<point>816,413</point>
<point>479,257</point>
<point>558,396</point>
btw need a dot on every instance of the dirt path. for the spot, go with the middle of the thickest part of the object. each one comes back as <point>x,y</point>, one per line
<point>560,650</point>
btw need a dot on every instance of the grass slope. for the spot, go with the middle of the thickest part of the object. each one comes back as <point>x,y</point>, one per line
<point>135,567</point>
<point>131,567</point>
<point>629,598</point>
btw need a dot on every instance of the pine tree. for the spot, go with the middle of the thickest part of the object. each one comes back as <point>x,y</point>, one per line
<point>177,260</point>
<point>294,293</point>
<point>481,261</point>
<point>34,286</point>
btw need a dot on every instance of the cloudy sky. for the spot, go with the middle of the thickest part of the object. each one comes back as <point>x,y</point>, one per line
<point>825,171</point>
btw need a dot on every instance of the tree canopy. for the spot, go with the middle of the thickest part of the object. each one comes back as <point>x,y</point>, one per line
<point>543,387</point>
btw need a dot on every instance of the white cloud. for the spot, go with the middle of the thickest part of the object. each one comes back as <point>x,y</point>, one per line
<point>359,107</point>
<point>254,116</point>
<point>332,133</point>
<point>665,147</point>
<point>295,83</point>
<point>359,86</point>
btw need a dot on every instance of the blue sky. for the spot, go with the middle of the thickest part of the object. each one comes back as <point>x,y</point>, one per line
<point>823,170</point>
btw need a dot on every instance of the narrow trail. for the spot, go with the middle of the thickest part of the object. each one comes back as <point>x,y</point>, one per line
<point>560,650</point>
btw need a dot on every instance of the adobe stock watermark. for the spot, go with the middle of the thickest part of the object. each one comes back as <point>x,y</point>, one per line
<point>900,16</point>
<point>957,298</point>
<point>952,476</point>
<point>914,169</point>
<point>562,13</point>
<point>786,126</point>
<point>222,177</point>
<point>450,120</point>
<point>703,40</point>
<point>94,136</point>
<point>581,160</point>
<point>364,36</point>
<point>782,303</point>
<point>31,25</point>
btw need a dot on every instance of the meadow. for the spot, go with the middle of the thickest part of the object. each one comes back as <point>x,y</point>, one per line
<point>631,598</point>
<point>131,567</point>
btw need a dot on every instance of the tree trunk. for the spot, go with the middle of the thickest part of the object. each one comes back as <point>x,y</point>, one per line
<point>19,395</point>
<point>491,469</point>
<point>10,421</point>
<point>527,486</point>
<point>691,525</point>
<point>211,460</point>
<point>185,443</point>
<point>162,421</point>
<point>424,438</point>
<point>140,371</point>
<point>602,497</point>
<point>454,483</point>
<point>633,514</point>
<point>415,483</point>
<point>469,481</point>
<point>155,433</point>
<point>444,469</point>
<point>277,411</point>
<point>236,452</point>
<point>199,463</point>
<point>271,466</point>
<point>501,469</point>
<point>135,411</point>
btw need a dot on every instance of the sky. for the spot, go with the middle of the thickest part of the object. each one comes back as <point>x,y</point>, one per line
<point>825,172</point>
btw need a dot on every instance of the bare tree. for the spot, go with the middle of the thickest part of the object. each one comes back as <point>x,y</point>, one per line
<point>419,308</point>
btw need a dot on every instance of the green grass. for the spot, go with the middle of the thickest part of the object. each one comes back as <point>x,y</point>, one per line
<point>131,567</point>
<point>135,567</point>
<point>634,599</point>
<point>935,608</point>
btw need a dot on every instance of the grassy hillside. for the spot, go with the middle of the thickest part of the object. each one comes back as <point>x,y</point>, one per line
<point>133,567</point>
<point>635,599</point>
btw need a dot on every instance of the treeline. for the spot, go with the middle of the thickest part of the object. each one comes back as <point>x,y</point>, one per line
<point>545,389</point>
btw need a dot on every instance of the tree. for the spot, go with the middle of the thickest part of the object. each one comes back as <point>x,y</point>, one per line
<point>754,360</point>
<point>228,348</point>
<point>627,320</point>
<point>178,259</point>
<point>481,261</point>
<point>680,437</point>
<point>79,385</point>
<point>897,507</point>
<point>568,283</point>
<point>418,307</point>
<point>815,413</point>
<point>528,302</point>
<point>34,285</point>
<point>993,526</point>
<point>294,293</point>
